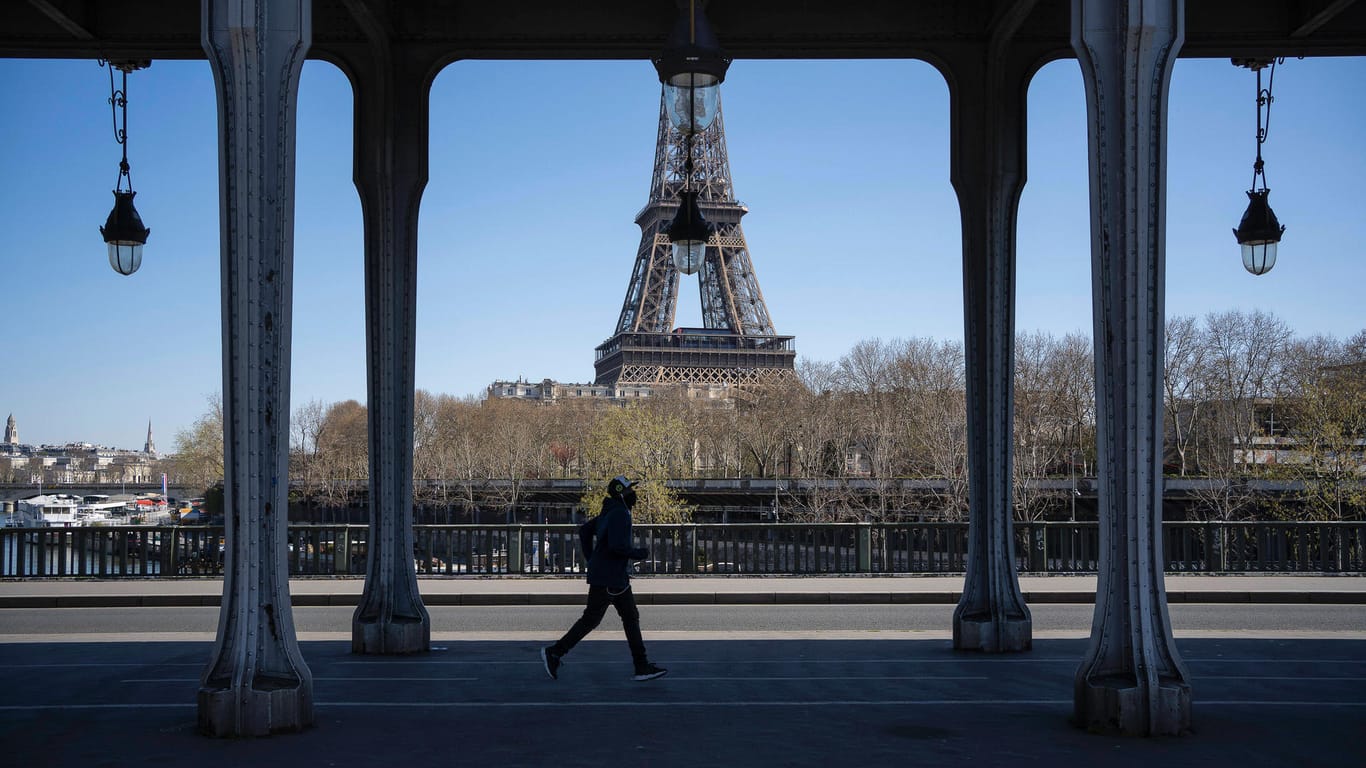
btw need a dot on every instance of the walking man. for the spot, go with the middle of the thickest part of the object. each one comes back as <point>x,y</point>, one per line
<point>606,543</point>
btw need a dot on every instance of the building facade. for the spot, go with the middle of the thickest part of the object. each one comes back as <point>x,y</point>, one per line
<point>548,391</point>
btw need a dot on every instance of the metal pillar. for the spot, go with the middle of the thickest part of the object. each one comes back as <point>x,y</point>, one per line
<point>390,174</point>
<point>256,682</point>
<point>987,105</point>
<point>1132,680</point>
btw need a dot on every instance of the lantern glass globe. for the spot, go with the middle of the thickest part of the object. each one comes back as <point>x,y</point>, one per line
<point>1259,257</point>
<point>125,258</point>
<point>688,256</point>
<point>692,100</point>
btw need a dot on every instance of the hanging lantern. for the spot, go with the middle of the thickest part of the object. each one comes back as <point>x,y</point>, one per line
<point>123,231</point>
<point>689,233</point>
<point>1259,232</point>
<point>692,67</point>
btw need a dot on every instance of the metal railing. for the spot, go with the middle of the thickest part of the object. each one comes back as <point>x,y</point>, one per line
<point>765,548</point>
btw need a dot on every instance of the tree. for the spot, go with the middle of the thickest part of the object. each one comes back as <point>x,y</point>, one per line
<point>821,436</point>
<point>1244,358</point>
<point>1181,403</point>
<point>343,451</point>
<point>567,426</point>
<point>427,460</point>
<point>866,373</point>
<point>305,429</point>
<point>930,376</point>
<point>1326,417</point>
<point>716,440</point>
<point>198,459</point>
<point>763,421</point>
<point>457,458</point>
<point>1047,395</point>
<point>516,449</point>
<point>645,446</point>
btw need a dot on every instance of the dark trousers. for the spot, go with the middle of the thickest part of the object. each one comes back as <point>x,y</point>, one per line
<point>598,600</point>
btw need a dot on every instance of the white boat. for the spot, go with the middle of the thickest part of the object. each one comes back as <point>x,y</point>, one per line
<point>62,510</point>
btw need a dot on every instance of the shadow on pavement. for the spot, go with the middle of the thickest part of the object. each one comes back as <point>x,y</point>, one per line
<point>730,702</point>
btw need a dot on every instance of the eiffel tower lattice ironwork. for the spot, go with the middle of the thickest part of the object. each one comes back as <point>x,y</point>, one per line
<point>737,344</point>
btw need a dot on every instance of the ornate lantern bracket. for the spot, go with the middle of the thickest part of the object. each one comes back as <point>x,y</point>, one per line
<point>123,231</point>
<point>1260,232</point>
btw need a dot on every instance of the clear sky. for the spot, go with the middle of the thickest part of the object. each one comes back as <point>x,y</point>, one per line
<point>527,237</point>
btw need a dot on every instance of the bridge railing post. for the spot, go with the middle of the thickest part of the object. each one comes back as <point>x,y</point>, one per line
<point>1038,547</point>
<point>170,546</point>
<point>689,548</point>
<point>515,564</point>
<point>341,550</point>
<point>865,547</point>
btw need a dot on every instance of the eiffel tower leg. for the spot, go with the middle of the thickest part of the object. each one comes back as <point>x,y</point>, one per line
<point>1132,680</point>
<point>257,682</point>
<point>988,157</point>
<point>390,174</point>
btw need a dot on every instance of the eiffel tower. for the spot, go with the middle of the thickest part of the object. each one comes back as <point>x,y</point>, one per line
<point>737,344</point>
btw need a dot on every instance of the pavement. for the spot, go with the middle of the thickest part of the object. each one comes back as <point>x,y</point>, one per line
<point>697,590</point>
<point>783,698</point>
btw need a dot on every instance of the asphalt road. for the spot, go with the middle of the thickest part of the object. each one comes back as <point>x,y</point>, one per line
<point>1298,619</point>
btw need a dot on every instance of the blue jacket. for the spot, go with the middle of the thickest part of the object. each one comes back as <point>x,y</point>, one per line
<point>606,542</point>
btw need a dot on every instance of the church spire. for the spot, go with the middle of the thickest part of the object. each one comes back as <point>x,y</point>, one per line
<point>150,446</point>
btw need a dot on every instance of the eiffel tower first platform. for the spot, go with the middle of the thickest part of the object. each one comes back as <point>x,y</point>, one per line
<point>737,344</point>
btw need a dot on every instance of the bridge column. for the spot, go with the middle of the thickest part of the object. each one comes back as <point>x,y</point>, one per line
<point>391,89</point>
<point>987,88</point>
<point>1132,680</point>
<point>256,682</point>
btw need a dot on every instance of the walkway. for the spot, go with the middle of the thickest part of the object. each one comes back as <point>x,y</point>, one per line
<point>755,703</point>
<point>659,590</point>
<point>792,699</point>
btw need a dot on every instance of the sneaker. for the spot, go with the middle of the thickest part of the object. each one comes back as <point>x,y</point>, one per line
<point>552,662</point>
<point>649,672</point>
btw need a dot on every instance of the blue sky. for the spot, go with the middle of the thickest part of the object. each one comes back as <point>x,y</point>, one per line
<point>526,237</point>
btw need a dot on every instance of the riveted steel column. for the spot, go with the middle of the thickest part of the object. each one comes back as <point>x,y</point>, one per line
<point>1132,680</point>
<point>256,682</point>
<point>390,174</point>
<point>987,91</point>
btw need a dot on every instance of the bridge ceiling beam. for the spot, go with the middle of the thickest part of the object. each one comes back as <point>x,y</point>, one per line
<point>62,18</point>
<point>635,29</point>
<point>1316,15</point>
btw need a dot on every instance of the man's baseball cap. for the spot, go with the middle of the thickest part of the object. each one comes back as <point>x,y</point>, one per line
<point>619,485</point>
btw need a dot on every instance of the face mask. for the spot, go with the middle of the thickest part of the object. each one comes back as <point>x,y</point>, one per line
<point>629,497</point>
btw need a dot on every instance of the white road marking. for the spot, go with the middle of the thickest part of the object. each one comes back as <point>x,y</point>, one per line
<point>694,703</point>
<point>549,636</point>
<point>328,679</point>
<point>1267,677</point>
<point>678,678</point>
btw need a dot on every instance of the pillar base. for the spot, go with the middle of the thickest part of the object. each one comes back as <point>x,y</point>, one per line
<point>397,637</point>
<point>264,710</point>
<point>1117,706</point>
<point>1004,635</point>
